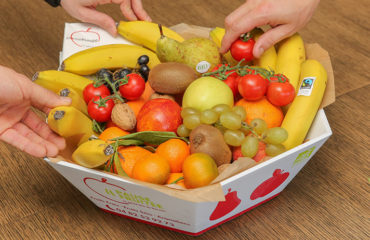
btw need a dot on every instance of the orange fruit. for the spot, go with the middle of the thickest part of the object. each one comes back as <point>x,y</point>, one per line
<point>147,92</point>
<point>273,115</point>
<point>199,170</point>
<point>110,123</point>
<point>175,151</point>
<point>175,176</point>
<point>136,105</point>
<point>153,169</point>
<point>112,132</point>
<point>129,156</point>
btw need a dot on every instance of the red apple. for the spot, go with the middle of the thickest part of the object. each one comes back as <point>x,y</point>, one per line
<point>159,114</point>
<point>225,207</point>
<point>269,185</point>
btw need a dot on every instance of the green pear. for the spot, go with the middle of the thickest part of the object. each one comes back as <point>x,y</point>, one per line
<point>168,49</point>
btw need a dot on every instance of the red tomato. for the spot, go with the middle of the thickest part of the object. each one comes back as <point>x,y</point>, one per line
<point>252,87</point>
<point>100,109</point>
<point>242,49</point>
<point>280,93</point>
<point>90,91</point>
<point>231,79</point>
<point>134,88</point>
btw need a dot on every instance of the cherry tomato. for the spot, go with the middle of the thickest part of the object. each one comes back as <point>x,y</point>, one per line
<point>231,79</point>
<point>90,91</point>
<point>100,109</point>
<point>134,88</point>
<point>280,93</point>
<point>242,49</point>
<point>252,87</point>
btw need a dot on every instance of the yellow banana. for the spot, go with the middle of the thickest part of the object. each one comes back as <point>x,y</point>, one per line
<point>145,33</point>
<point>216,35</point>
<point>93,154</point>
<point>304,107</point>
<point>290,55</point>
<point>268,58</point>
<point>112,56</point>
<point>77,101</point>
<point>67,121</point>
<point>55,80</point>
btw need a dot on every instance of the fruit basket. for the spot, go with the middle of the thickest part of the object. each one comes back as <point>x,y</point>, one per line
<point>206,207</point>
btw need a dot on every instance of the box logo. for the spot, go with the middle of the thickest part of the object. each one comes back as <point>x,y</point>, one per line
<point>303,155</point>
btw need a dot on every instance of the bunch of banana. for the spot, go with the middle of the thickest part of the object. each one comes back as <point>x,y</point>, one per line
<point>216,34</point>
<point>291,54</point>
<point>93,154</point>
<point>145,33</point>
<point>56,80</point>
<point>268,58</point>
<point>305,105</point>
<point>77,101</point>
<point>69,122</point>
<point>112,56</point>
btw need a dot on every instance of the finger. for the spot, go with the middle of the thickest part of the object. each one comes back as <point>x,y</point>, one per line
<point>139,11</point>
<point>42,129</point>
<point>271,37</point>
<point>127,10</point>
<point>91,15</point>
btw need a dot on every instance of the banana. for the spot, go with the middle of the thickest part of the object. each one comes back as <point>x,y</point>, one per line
<point>290,55</point>
<point>93,154</point>
<point>77,101</point>
<point>67,121</point>
<point>305,105</point>
<point>268,58</point>
<point>55,80</point>
<point>145,33</point>
<point>216,34</point>
<point>112,56</point>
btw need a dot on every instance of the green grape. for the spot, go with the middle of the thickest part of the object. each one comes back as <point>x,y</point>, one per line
<point>191,121</point>
<point>259,125</point>
<point>234,137</point>
<point>221,128</point>
<point>188,111</point>
<point>275,135</point>
<point>208,116</point>
<point>240,111</point>
<point>230,120</point>
<point>273,150</point>
<point>182,131</point>
<point>250,146</point>
<point>221,108</point>
<point>245,128</point>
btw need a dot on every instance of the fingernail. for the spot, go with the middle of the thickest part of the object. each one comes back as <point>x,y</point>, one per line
<point>259,52</point>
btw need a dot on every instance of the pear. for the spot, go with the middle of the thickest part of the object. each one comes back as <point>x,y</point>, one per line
<point>201,54</point>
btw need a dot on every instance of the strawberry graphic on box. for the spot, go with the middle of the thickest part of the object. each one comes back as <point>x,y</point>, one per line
<point>225,207</point>
<point>269,185</point>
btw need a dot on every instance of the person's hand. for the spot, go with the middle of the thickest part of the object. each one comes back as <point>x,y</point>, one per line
<point>19,124</point>
<point>284,16</point>
<point>85,11</point>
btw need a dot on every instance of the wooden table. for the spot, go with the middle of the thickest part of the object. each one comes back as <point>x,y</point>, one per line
<point>328,199</point>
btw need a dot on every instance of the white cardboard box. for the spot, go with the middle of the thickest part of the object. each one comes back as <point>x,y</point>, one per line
<point>242,192</point>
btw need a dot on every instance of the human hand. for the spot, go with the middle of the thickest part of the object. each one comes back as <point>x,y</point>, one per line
<point>19,124</point>
<point>85,11</point>
<point>284,16</point>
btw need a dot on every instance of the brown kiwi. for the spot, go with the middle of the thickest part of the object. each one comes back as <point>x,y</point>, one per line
<point>171,77</point>
<point>208,139</point>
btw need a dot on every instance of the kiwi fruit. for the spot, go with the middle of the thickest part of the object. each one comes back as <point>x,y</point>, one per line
<point>171,77</point>
<point>208,139</point>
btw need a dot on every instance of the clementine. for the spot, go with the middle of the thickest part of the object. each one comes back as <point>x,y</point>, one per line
<point>153,169</point>
<point>136,105</point>
<point>175,151</point>
<point>112,132</point>
<point>175,177</point>
<point>129,156</point>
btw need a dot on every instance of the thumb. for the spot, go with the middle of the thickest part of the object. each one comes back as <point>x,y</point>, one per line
<point>104,21</point>
<point>270,38</point>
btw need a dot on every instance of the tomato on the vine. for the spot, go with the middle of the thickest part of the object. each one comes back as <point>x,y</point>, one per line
<point>134,87</point>
<point>90,91</point>
<point>100,109</point>
<point>252,86</point>
<point>280,93</point>
<point>231,79</point>
<point>241,48</point>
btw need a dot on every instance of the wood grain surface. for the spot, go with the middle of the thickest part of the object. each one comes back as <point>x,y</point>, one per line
<point>328,199</point>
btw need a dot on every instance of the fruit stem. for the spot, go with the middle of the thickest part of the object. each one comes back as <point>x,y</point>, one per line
<point>177,180</point>
<point>247,127</point>
<point>98,127</point>
<point>160,30</point>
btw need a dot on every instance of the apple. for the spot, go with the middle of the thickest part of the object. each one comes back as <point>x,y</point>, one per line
<point>159,114</point>
<point>269,185</point>
<point>225,207</point>
<point>207,92</point>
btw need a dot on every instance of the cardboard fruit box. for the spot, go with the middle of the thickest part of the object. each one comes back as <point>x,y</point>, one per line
<point>241,188</point>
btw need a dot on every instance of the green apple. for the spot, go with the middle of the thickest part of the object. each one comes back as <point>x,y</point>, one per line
<point>207,92</point>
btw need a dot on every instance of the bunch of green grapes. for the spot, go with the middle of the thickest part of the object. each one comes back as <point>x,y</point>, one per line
<point>230,121</point>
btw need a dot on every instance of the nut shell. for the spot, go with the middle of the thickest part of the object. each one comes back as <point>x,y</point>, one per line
<point>124,117</point>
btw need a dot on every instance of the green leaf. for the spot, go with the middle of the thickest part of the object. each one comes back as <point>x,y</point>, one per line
<point>150,137</point>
